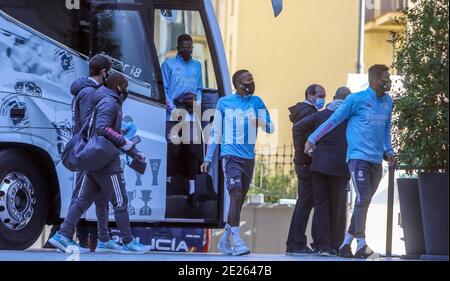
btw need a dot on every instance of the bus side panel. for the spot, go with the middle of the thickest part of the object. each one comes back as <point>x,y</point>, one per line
<point>35,76</point>
<point>146,193</point>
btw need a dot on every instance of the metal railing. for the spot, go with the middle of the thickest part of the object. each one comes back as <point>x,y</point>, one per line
<point>274,173</point>
<point>377,8</point>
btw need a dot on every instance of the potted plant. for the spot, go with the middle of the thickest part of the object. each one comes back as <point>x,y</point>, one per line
<point>421,113</point>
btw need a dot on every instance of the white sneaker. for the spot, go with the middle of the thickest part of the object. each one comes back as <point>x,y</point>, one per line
<point>224,246</point>
<point>240,248</point>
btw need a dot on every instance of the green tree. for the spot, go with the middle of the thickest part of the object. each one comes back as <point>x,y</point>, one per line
<point>421,108</point>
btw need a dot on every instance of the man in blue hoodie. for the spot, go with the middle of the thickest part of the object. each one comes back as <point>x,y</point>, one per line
<point>183,84</point>
<point>84,100</point>
<point>236,122</point>
<point>369,141</point>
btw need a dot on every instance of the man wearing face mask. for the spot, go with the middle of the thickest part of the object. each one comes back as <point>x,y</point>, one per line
<point>109,180</point>
<point>369,142</point>
<point>236,122</point>
<point>182,77</point>
<point>296,243</point>
<point>84,100</point>
<point>183,84</point>
<point>330,175</point>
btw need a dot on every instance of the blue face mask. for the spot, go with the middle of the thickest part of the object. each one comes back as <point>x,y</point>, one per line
<point>320,103</point>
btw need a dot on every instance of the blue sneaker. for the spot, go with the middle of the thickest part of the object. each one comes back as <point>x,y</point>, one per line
<point>240,249</point>
<point>110,246</point>
<point>134,247</point>
<point>66,245</point>
<point>224,246</point>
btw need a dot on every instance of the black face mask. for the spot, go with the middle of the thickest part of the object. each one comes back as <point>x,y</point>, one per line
<point>249,88</point>
<point>387,84</point>
<point>105,78</point>
<point>123,95</point>
<point>185,54</point>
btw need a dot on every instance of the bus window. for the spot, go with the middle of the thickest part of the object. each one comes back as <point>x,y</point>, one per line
<point>169,24</point>
<point>122,35</point>
<point>52,18</point>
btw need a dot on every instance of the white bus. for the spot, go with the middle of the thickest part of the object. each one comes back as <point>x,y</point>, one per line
<point>44,47</point>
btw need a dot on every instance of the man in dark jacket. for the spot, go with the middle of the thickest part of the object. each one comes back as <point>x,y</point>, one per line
<point>330,175</point>
<point>109,180</point>
<point>84,100</point>
<point>296,242</point>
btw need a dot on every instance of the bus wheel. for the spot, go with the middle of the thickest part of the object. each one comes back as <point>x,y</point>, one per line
<point>23,200</point>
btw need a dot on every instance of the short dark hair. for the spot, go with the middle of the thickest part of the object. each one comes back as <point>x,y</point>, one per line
<point>312,90</point>
<point>183,37</point>
<point>99,62</point>
<point>236,76</point>
<point>376,70</point>
<point>342,93</point>
<point>116,79</point>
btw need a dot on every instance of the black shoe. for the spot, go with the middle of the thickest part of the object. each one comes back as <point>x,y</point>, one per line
<point>315,249</point>
<point>300,251</point>
<point>327,252</point>
<point>365,252</point>
<point>345,252</point>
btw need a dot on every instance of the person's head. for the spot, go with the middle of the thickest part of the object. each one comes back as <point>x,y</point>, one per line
<point>243,82</point>
<point>342,93</point>
<point>119,84</point>
<point>99,67</point>
<point>185,46</point>
<point>379,78</point>
<point>316,94</point>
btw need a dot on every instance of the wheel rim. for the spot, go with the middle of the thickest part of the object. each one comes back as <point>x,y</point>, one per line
<point>17,199</point>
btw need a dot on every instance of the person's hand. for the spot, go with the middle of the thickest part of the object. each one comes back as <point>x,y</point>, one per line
<point>128,145</point>
<point>254,122</point>
<point>309,148</point>
<point>188,97</point>
<point>204,167</point>
<point>140,156</point>
<point>393,161</point>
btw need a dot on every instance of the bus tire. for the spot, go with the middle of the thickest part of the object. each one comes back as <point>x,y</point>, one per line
<point>23,200</point>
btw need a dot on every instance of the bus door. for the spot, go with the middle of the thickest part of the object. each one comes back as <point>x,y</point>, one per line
<point>196,18</point>
<point>122,31</point>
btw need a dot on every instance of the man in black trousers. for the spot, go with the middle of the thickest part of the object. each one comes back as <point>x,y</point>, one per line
<point>296,243</point>
<point>330,175</point>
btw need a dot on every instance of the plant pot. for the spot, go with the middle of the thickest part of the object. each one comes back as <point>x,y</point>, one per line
<point>433,194</point>
<point>408,192</point>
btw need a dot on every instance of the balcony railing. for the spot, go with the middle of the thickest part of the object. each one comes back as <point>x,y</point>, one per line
<point>377,8</point>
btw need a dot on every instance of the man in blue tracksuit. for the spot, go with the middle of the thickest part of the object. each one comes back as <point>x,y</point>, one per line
<point>182,75</point>
<point>369,141</point>
<point>235,127</point>
<point>183,84</point>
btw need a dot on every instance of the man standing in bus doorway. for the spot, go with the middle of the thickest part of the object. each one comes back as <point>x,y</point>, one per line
<point>109,180</point>
<point>236,122</point>
<point>296,243</point>
<point>84,100</point>
<point>369,141</point>
<point>183,84</point>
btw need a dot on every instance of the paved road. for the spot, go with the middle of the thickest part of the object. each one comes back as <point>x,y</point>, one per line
<point>53,255</point>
